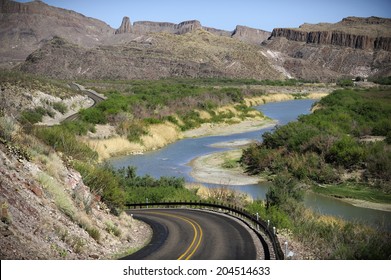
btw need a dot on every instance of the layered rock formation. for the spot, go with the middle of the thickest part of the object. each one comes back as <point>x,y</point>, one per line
<point>143,27</point>
<point>250,35</point>
<point>337,38</point>
<point>350,32</point>
<point>350,48</point>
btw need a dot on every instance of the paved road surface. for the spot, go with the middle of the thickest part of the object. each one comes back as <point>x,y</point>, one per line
<point>192,234</point>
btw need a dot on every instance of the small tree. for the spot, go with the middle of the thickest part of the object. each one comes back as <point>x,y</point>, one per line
<point>284,192</point>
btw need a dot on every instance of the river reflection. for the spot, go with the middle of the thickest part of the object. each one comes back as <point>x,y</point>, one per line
<point>173,159</point>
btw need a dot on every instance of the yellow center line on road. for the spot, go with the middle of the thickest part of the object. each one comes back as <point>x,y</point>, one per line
<point>198,234</point>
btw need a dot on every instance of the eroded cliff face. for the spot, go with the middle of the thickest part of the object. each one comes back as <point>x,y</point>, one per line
<point>359,33</point>
<point>144,27</point>
<point>337,38</point>
<point>250,35</point>
<point>350,48</point>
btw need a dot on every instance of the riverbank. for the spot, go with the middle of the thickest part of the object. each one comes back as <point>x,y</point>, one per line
<point>107,143</point>
<point>222,168</point>
<point>210,169</point>
<point>368,204</point>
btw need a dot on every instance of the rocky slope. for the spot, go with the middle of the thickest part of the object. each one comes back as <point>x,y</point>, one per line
<point>352,47</point>
<point>47,212</point>
<point>32,226</point>
<point>24,27</point>
<point>153,56</point>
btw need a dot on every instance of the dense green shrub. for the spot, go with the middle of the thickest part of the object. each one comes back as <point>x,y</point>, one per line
<point>60,107</point>
<point>345,83</point>
<point>382,80</point>
<point>78,127</point>
<point>140,188</point>
<point>65,141</point>
<point>32,116</point>
<point>93,115</point>
<point>103,181</point>
<point>346,152</point>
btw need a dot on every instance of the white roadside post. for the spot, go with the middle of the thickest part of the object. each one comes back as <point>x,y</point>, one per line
<point>286,249</point>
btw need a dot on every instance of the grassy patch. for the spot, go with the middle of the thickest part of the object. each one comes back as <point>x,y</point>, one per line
<point>112,229</point>
<point>58,194</point>
<point>355,191</point>
<point>60,107</point>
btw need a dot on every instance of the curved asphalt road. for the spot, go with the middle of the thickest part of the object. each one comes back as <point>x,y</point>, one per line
<point>91,94</point>
<point>190,234</point>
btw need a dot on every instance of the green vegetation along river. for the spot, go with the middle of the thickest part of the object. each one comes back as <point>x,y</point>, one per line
<point>173,161</point>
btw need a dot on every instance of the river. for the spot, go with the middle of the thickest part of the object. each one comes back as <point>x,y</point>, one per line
<point>173,161</point>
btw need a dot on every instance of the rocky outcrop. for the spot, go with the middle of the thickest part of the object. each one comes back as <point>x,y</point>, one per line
<point>250,35</point>
<point>125,27</point>
<point>242,33</point>
<point>144,27</point>
<point>337,38</point>
<point>370,34</point>
<point>188,26</point>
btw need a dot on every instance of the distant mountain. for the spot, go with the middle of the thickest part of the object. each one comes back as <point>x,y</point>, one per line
<point>25,27</point>
<point>353,47</point>
<point>65,44</point>
<point>153,56</point>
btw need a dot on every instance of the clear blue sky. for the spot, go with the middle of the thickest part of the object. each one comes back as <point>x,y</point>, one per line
<point>226,14</point>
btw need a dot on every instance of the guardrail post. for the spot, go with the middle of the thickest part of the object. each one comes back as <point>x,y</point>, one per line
<point>274,230</point>
<point>286,249</point>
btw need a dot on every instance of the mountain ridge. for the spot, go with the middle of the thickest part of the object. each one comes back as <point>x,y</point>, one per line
<point>325,51</point>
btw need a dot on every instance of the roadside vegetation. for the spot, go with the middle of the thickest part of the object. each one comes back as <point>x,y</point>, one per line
<point>322,237</point>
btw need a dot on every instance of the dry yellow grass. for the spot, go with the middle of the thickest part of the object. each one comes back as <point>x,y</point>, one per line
<point>317,95</point>
<point>275,97</point>
<point>107,148</point>
<point>159,135</point>
<point>204,115</point>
